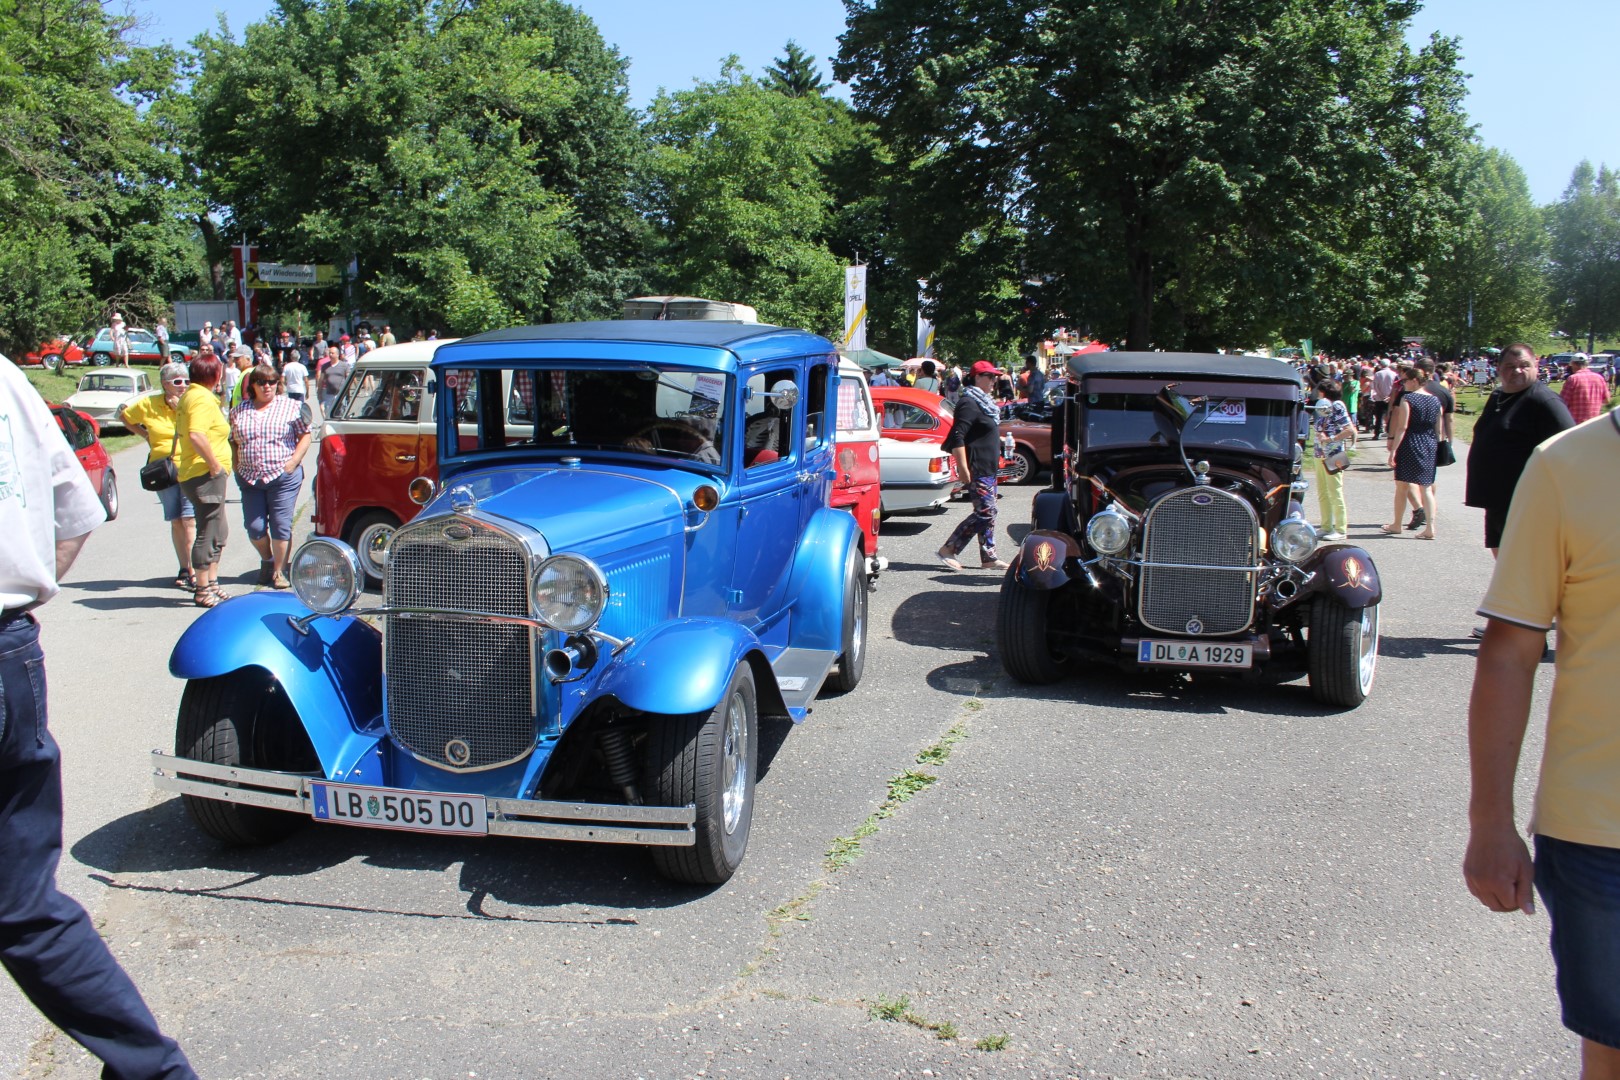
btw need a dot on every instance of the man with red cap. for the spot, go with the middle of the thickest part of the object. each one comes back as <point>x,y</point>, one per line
<point>975,442</point>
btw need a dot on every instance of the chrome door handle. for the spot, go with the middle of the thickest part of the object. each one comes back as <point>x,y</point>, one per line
<point>404,457</point>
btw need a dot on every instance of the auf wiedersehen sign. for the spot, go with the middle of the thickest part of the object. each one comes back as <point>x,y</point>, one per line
<point>268,275</point>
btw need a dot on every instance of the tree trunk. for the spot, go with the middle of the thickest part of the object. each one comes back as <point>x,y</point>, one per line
<point>1139,267</point>
<point>212,251</point>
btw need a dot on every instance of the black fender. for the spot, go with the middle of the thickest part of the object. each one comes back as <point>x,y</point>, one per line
<point>1046,560</point>
<point>1050,511</point>
<point>1344,572</point>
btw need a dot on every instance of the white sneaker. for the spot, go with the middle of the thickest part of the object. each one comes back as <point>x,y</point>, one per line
<point>1334,536</point>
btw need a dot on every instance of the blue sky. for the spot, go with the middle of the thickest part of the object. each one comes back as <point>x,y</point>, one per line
<point>1542,83</point>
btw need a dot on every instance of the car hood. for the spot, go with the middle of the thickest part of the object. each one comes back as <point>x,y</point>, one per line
<point>99,399</point>
<point>577,509</point>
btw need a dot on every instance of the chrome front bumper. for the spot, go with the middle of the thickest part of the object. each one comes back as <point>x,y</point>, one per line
<point>602,823</point>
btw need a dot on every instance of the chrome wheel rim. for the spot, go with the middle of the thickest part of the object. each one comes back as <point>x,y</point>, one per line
<point>373,547</point>
<point>857,631</point>
<point>1368,660</point>
<point>734,761</point>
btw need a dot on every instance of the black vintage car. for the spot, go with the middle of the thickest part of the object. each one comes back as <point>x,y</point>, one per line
<point>1172,535</point>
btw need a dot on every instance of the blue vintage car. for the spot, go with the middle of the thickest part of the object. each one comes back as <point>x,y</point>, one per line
<point>628,561</point>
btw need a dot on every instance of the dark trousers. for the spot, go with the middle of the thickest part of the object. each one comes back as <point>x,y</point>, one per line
<point>46,940</point>
<point>1380,410</point>
<point>980,522</point>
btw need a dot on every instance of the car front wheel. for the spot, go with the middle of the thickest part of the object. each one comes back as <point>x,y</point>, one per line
<point>245,719</point>
<point>1023,635</point>
<point>708,760</point>
<point>1342,652</point>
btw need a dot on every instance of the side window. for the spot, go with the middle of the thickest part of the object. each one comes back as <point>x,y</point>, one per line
<point>142,337</point>
<point>815,396</point>
<point>852,408</point>
<point>383,395</point>
<point>767,428</point>
<point>914,419</point>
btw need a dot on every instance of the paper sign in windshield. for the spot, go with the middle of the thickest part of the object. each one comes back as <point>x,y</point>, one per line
<point>1227,411</point>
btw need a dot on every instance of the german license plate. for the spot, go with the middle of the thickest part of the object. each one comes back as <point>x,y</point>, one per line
<point>1194,654</point>
<point>391,808</point>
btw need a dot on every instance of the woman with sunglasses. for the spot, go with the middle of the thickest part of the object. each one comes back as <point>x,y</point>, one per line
<point>153,418</point>
<point>272,435</point>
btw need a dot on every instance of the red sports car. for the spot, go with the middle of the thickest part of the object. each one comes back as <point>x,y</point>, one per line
<point>55,354</point>
<point>85,438</point>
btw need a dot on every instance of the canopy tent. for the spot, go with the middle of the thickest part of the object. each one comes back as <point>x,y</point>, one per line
<point>871,358</point>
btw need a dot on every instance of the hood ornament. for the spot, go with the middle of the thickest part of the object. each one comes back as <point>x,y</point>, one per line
<point>462,501</point>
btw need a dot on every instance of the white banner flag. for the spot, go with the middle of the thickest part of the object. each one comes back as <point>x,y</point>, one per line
<point>855,307</point>
<point>925,329</point>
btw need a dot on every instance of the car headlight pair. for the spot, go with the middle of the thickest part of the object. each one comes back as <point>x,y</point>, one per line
<point>569,592</point>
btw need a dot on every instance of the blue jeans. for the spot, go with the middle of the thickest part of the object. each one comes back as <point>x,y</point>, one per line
<point>46,940</point>
<point>267,506</point>
<point>1580,888</point>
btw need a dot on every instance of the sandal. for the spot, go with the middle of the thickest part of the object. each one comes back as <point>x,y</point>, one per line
<point>207,598</point>
<point>994,564</point>
<point>1425,536</point>
<point>949,560</point>
<point>186,580</point>
<point>1388,530</point>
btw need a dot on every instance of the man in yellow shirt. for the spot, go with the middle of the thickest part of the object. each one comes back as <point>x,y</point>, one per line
<point>152,417</point>
<point>1559,560</point>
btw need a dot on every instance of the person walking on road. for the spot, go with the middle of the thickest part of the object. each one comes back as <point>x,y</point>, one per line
<point>1557,563</point>
<point>975,443</point>
<point>1585,392</point>
<point>153,417</point>
<point>271,433</point>
<point>205,459</point>
<point>47,941</point>
<point>1384,381</point>
<point>1414,427</point>
<point>1520,414</point>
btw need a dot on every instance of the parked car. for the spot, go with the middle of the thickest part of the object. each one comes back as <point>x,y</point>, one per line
<point>55,354</point>
<point>912,415</point>
<point>916,475</point>
<point>579,634</point>
<point>102,394</point>
<point>379,436</point>
<point>857,479</point>
<point>143,348</point>
<point>1173,538</point>
<point>1029,426</point>
<point>85,438</point>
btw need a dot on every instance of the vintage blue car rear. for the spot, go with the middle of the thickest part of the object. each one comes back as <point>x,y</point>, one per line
<point>628,561</point>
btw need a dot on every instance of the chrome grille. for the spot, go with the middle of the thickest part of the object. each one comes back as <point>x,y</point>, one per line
<point>448,680</point>
<point>1199,527</point>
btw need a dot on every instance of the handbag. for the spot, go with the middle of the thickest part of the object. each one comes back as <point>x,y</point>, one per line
<point>1443,454</point>
<point>1336,460</point>
<point>161,474</point>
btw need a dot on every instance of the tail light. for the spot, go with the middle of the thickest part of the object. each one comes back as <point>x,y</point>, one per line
<point>937,464</point>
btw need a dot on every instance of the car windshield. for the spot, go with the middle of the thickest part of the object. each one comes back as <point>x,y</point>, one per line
<point>106,380</point>
<point>645,410</point>
<point>1265,425</point>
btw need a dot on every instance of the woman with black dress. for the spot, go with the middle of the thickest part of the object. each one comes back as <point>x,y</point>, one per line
<point>1414,439</point>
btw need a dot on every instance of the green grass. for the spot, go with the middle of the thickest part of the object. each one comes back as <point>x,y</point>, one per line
<point>993,1042</point>
<point>898,1010</point>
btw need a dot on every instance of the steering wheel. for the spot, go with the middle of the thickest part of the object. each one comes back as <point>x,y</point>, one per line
<point>704,451</point>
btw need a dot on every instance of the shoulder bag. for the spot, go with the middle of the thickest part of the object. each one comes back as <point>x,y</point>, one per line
<point>161,474</point>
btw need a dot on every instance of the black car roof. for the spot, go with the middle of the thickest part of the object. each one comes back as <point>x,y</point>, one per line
<point>673,331</point>
<point>1191,365</point>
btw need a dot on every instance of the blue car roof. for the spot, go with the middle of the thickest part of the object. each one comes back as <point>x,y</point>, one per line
<point>696,343</point>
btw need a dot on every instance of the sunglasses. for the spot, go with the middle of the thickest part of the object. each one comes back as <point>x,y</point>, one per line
<point>179,382</point>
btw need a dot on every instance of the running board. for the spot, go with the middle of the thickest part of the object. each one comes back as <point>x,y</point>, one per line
<point>799,675</point>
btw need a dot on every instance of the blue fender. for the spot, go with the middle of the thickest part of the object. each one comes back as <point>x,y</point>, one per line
<point>1347,574</point>
<point>682,666</point>
<point>817,582</point>
<point>332,675</point>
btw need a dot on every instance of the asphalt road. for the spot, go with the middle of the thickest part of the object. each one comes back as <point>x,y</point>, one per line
<point>1115,876</point>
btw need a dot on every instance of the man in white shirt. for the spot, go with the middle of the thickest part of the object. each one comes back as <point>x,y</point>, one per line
<point>1383,388</point>
<point>47,942</point>
<point>295,377</point>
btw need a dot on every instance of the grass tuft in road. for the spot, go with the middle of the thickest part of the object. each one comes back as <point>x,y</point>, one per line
<point>940,752</point>
<point>898,1010</point>
<point>992,1043</point>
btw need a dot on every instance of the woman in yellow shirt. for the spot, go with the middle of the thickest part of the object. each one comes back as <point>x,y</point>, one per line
<point>152,417</point>
<point>205,462</point>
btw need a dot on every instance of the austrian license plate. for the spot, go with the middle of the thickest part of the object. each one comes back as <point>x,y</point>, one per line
<point>1194,654</point>
<point>391,808</point>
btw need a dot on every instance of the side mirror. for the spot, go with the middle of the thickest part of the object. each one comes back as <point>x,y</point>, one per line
<point>785,393</point>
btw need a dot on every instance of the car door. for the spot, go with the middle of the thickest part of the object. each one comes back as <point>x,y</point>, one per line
<point>911,423</point>
<point>143,347</point>
<point>770,494</point>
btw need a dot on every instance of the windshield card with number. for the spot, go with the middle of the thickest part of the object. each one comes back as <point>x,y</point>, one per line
<point>1227,411</point>
<point>392,808</point>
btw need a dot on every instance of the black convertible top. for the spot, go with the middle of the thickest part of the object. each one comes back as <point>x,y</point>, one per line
<point>1187,365</point>
<point>672,331</point>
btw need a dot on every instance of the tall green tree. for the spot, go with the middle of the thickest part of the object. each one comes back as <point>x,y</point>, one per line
<point>738,197</point>
<point>1584,239</point>
<point>95,215</point>
<point>795,73</point>
<point>473,158</point>
<point>1489,287</point>
<point>1168,172</point>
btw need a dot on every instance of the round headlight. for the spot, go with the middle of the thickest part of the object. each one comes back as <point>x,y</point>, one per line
<point>326,576</point>
<point>569,593</point>
<point>1108,532</point>
<point>1293,540</point>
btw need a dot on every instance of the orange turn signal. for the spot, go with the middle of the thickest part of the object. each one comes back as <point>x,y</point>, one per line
<point>420,491</point>
<point>706,498</point>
